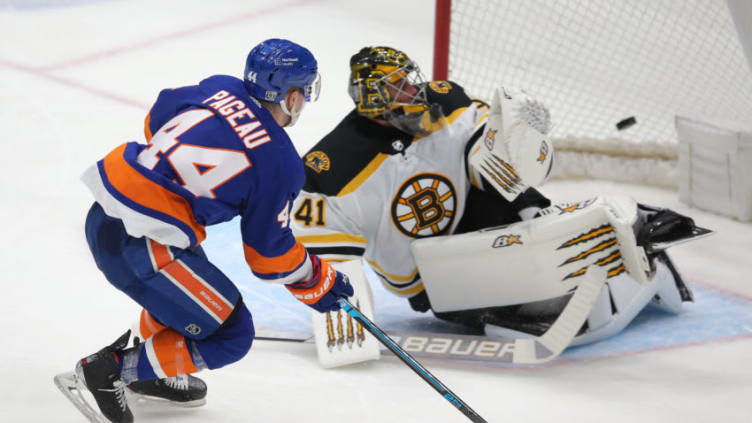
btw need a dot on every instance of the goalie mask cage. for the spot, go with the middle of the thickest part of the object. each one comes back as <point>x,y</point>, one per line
<point>598,63</point>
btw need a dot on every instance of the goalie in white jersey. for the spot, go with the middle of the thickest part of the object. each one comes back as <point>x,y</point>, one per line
<point>419,159</point>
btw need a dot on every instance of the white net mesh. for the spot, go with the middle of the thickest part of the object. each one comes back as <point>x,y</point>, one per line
<point>597,62</point>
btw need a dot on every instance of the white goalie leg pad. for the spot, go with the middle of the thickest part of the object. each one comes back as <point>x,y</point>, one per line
<point>533,260</point>
<point>618,303</point>
<point>621,214</point>
<point>560,335</point>
<point>629,298</point>
<point>339,339</point>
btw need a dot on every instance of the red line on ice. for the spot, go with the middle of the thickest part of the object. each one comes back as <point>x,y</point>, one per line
<point>46,71</point>
<point>71,83</point>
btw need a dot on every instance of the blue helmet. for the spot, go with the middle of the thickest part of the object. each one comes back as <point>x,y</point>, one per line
<point>275,66</point>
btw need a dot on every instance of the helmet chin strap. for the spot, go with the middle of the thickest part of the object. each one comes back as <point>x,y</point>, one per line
<point>294,114</point>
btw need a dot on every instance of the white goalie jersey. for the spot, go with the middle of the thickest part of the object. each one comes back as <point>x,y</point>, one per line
<point>371,189</point>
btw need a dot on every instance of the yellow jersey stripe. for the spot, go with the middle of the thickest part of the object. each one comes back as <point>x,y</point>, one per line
<point>404,292</point>
<point>395,278</point>
<point>329,238</point>
<point>364,174</point>
<point>449,119</point>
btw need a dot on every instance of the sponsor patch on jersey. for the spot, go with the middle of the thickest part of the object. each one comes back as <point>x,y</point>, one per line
<point>441,87</point>
<point>506,241</point>
<point>425,205</point>
<point>318,161</point>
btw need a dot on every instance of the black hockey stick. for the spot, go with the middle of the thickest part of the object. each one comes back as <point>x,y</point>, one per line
<point>410,361</point>
<point>274,338</point>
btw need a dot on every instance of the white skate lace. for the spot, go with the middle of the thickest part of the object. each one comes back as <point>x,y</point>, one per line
<point>119,390</point>
<point>177,382</point>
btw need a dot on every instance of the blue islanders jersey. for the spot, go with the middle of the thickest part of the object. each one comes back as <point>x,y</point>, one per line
<point>213,153</point>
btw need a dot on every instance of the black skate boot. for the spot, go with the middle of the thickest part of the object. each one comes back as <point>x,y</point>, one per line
<point>100,375</point>
<point>659,229</point>
<point>182,390</point>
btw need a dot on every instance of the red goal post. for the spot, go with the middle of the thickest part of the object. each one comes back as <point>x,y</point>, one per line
<point>441,40</point>
<point>601,64</point>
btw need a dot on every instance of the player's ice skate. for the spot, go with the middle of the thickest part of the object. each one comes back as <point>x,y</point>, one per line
<point>182,390</point>
<point>77,393</point>
<point>99,376</point>
<point>96,389</point>
<point>660,229</point>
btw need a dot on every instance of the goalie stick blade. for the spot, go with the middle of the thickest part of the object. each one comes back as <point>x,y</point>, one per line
<point>73,390</point>
<point>557,338</point>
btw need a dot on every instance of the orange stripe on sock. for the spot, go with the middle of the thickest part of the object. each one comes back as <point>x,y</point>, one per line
<point>148,326</point>
<point>132,184</point>
<point>287,262</point>
<point>160,254</point>
<point>172,352</point>
<point>198,288</point>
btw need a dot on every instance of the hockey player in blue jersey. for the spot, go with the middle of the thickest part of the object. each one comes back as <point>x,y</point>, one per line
<point>215,150</point>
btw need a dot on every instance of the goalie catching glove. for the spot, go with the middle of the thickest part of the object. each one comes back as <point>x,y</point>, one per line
<point>323,289</point>
<point>515,151</point>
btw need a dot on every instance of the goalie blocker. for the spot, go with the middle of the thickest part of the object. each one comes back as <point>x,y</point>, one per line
<point>535,266</point>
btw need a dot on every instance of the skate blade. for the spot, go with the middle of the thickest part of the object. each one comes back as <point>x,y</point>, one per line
<point>70,386</point>
<point>135,398</point>
<point>697,233</point>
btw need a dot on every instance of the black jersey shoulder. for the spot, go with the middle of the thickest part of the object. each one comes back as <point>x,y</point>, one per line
<point>450,95</point>
<point>346,151</point>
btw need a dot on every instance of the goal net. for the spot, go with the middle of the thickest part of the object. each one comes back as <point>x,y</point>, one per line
<point>614,73</point>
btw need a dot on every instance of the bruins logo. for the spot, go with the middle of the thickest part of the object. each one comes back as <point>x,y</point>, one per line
<point>441,87</point>
<point>424,206</point>
<point>318,161</point>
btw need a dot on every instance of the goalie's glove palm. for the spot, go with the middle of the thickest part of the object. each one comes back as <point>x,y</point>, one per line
<point>323,289</point>
<point>518,153</point>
